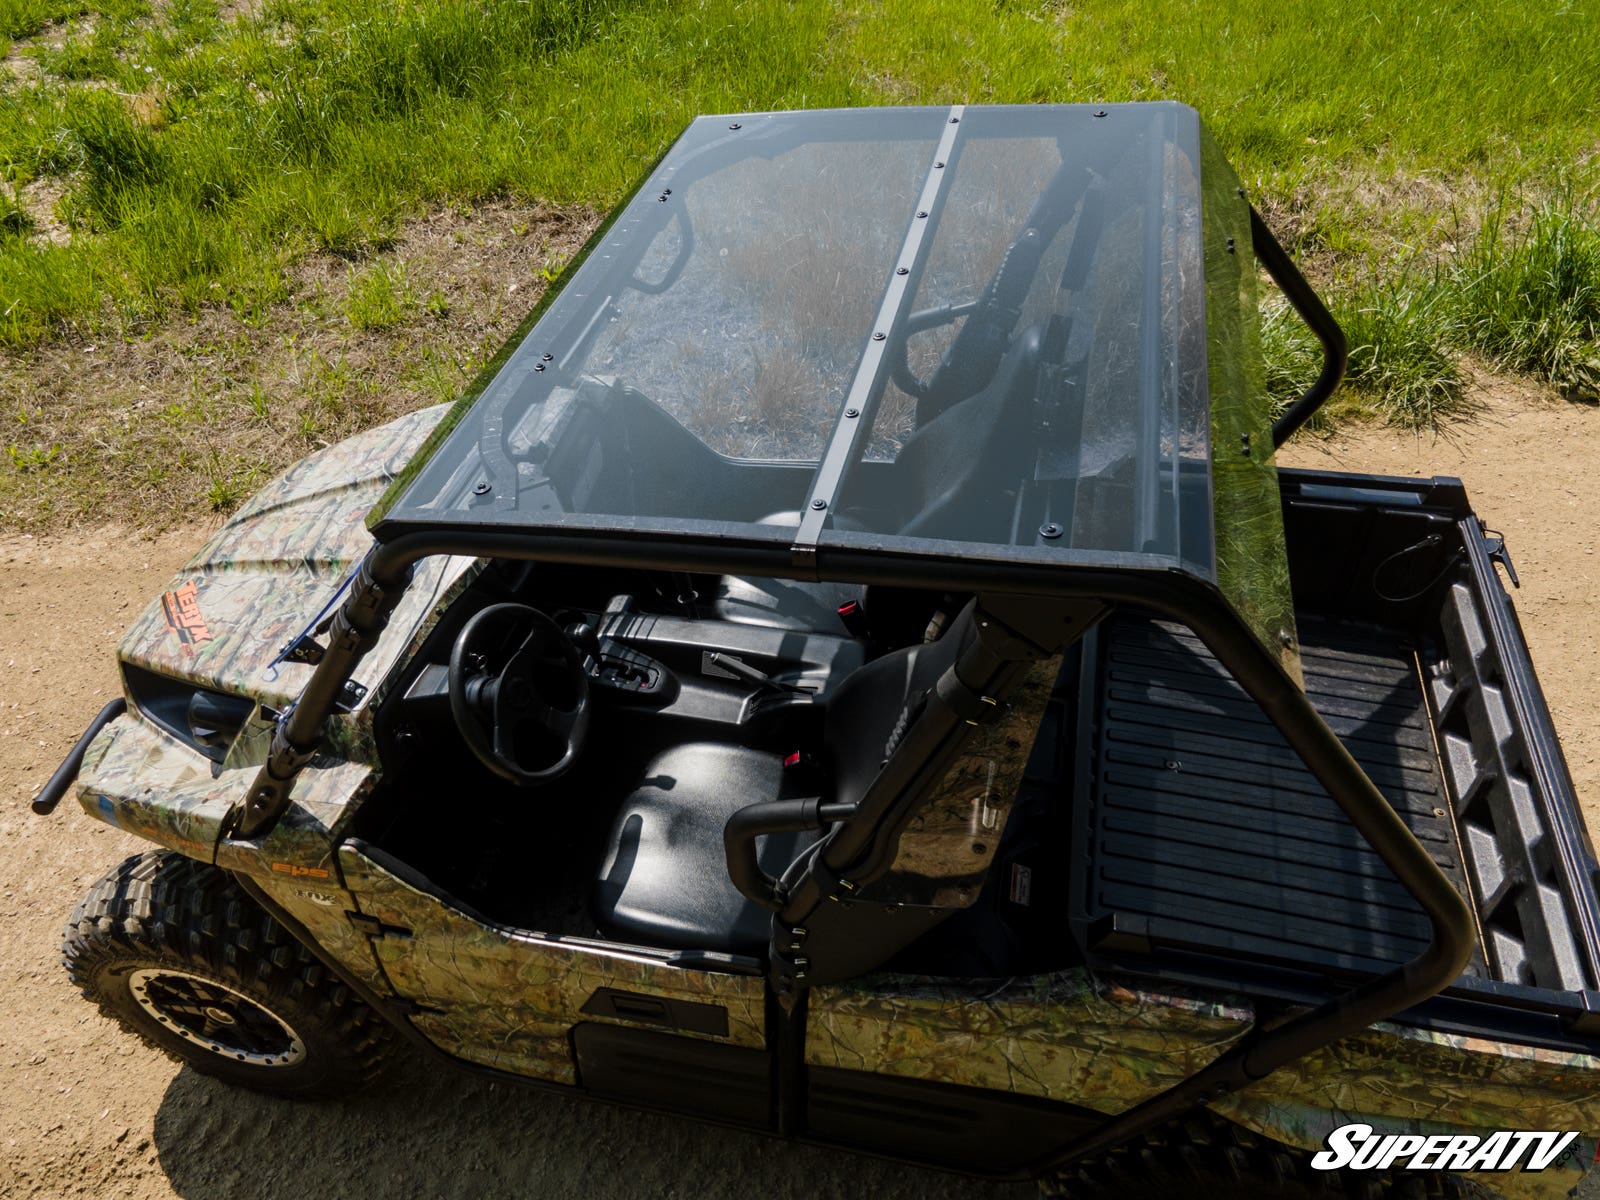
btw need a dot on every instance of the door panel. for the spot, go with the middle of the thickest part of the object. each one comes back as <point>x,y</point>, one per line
<point>508,998</point>
<point>685,1075</point>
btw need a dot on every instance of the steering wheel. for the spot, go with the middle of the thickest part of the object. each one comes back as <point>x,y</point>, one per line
<point>519,693</point>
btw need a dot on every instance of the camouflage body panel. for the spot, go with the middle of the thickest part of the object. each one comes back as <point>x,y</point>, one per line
<point>286,552</point>
<point>1420,1081</point>
<point>1307,1127</point>
<point>321,906</point>
<point>144,781</point>
<point>274,565</point>
<point>1087,1040</point>
<point>1065,1036</point>
<point>945,849</point>
<point>508,998</point>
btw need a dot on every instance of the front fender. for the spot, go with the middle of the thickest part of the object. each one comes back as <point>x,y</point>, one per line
<point>141,779</point>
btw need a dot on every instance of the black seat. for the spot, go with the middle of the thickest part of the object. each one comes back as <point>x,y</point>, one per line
<point>950,482</point>
<point>664,881</point>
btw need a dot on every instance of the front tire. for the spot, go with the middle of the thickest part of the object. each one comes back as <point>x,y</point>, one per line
<point>180,955</point>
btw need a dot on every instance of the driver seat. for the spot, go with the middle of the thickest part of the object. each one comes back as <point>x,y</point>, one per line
<point>664,880</point>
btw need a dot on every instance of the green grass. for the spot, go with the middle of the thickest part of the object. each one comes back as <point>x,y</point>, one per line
<point>22,18</point>
<point>202,158</point>
<point>1529,299</point>
<point>1523,294</point>
<point>380,296</point>
<point>1401,334</point>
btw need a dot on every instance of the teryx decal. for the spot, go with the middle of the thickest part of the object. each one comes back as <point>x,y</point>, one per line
<point>182,609</point>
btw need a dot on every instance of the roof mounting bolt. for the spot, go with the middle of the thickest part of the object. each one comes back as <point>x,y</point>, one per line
<point>879,336</point>
<point>1099,112</point>
<point>1242,194</point>
<point>1050,530</point>
<point>480,489</point>
<point>666,191</point>
<point>819,504</point>
<point>538,366</point>
<point>902,270</point>
<point>955,120</point>
<point>735,125</point>
<point>1286,637</point>
<point>662,198</point>
<point>546,357</point>
<point>921,215</point>
<point>852,413</point>
<point>938,166</point>
<point>1230,245</point>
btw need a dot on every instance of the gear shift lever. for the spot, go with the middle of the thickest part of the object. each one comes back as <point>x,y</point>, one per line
<point>585,637</point>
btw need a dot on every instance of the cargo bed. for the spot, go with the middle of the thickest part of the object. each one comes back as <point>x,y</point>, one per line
<point>1203,847</point>
<point>1207,832</point>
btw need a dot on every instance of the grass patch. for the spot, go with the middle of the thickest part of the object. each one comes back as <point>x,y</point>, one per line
<point>1402,366</point>
<point>316,126</point>
<point>380,296</point>
<point>1528,297</point>
<point>1401,363</point>
<point>15,221</point>
<point>235,202</point>
<point>190,417</point>
<point>24,18</point>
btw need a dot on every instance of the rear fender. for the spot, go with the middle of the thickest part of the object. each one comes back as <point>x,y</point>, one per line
<point>1411,1081</point>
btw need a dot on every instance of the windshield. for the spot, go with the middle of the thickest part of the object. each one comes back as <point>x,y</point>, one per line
<point>897,328</point>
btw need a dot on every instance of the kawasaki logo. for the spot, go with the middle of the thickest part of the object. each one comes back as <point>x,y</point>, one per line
<point>1358,1148</point>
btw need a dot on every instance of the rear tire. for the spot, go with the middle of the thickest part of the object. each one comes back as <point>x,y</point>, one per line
<point>1205,1155</point>
<point>178,953</point>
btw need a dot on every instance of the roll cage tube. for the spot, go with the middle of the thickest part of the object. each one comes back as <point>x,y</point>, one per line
<point>381,581</point>
<point>1306,302</point>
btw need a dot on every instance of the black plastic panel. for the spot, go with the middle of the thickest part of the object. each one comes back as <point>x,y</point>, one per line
<point>1504,815</point>
<point>686,1015</point>
<point>1204,831</point>
<point>938,1123</point>
<point>686,1075</point>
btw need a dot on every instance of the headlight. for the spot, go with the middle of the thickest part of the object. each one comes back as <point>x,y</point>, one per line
<point>206,720</point>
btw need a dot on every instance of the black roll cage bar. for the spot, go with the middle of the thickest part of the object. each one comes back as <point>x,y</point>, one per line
<point>1295,289</point>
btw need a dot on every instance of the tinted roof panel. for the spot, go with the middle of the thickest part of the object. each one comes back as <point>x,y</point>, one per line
<point>980,331</point>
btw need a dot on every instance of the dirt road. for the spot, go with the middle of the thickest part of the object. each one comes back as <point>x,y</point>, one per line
<point>86,1111</point>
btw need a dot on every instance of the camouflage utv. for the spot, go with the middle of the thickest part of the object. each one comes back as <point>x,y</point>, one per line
<point>850,669</point>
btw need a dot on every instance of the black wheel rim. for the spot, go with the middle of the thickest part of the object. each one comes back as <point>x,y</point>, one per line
<point>213,1016</point>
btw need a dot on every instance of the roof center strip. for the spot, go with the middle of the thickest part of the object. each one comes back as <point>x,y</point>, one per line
<point>855,420</point>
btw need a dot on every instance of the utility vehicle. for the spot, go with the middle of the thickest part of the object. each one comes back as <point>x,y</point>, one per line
<point>850,668</point>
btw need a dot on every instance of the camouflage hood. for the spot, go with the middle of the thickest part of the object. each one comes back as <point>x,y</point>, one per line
<point>226,617</point>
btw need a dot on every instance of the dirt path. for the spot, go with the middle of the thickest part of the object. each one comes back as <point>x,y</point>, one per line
<point>85,1111</point>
